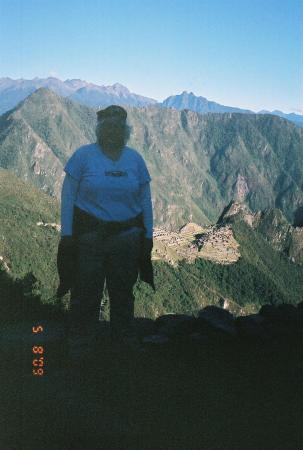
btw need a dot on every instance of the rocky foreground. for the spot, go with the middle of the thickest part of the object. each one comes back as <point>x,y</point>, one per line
<point>213,381</point>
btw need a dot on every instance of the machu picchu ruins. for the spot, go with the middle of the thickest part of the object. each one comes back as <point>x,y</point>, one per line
<point>192,241</point>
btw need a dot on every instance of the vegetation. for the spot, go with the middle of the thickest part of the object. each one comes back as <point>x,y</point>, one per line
<point>195,162</point>
<point>25,246</point>
<point>29,279</point>
<point>198,163</point>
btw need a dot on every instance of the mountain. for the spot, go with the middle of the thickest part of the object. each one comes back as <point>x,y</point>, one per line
<point>281,234</point>
<point>229,264</point>
<point>39,135</point>
<point>201,105</point>
<point>292,117</point>
<point>26,246</point>
<point>213,158</point>
<point>14,91</point>
<point>198,104</point>
<point>198,163</point>
<point>102,96</point>
<point>92,95</point>
<point>273,225</point>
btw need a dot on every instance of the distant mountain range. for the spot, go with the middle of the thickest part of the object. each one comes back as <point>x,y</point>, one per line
<point>292,117</point>
<point>199,104</point>
<point>13,91</point>
<point>198,162</point>
<point>202,105</point>
<point>89,94</point>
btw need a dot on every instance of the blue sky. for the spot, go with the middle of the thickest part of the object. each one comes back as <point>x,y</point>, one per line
<point>246,53</point>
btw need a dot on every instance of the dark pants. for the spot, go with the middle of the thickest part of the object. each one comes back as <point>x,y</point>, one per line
<point>114,259</point>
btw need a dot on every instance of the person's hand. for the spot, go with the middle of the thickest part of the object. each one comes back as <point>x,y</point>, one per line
<point>65,264</point>
<point>146,249</point>
<point>145,263</point>
<point>147,245</point>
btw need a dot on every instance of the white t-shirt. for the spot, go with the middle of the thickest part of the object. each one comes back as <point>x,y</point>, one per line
<point>110,190</point>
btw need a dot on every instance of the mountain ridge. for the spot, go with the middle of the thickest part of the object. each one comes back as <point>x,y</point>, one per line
<point>199,104</point>
<point>208,159</point>
<point>93,95</point>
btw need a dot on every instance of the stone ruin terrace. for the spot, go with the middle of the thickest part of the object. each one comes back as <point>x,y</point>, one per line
<point>215,243</point>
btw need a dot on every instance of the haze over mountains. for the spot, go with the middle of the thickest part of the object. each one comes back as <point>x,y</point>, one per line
<point>13,91</point>
<point>89,94</point>
<point>199,104</point>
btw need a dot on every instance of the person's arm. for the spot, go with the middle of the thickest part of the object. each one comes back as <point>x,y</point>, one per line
<point>68,196</point>
<point>146,202</point>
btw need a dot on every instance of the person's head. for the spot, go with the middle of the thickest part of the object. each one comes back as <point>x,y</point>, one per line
<point>112,130</point>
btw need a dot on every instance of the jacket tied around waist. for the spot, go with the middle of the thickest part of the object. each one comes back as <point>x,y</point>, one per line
<point>84,222</point>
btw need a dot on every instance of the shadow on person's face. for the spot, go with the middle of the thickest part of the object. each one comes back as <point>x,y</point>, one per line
<point>112,134</point>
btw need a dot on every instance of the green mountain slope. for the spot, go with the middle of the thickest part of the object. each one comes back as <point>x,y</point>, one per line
<point>260,275</point>
<point>273,225</point>
<point>198,163</point>
<point>25,246</point>
<point>38,136</point>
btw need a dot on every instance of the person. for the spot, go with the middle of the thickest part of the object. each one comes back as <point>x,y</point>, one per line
<point>106,228</point>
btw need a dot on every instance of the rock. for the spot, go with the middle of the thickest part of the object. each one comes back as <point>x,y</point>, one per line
<point>187,327</point>
<point>287,311</point>
<point>155,339</point>
<point>278,329</point>
<point>145,326</point>
<point>283,313</point>
<point>172,324</point>
<point>251,326</point>
<point>300,305</point>
<point>196,336</point>
<point>282,320</point>
<point>219,318</point>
